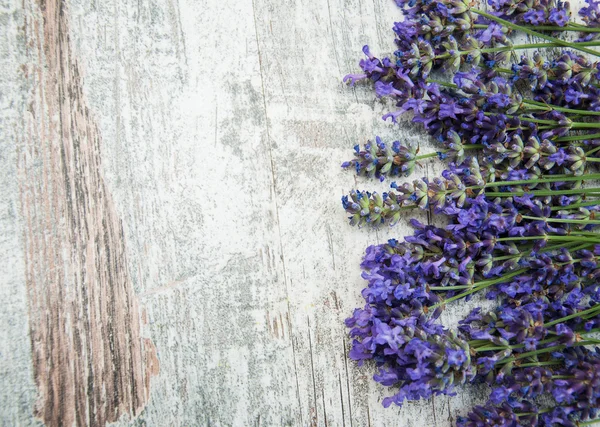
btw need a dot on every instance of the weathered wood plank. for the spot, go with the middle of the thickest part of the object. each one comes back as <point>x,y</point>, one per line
<point>170,197</point>
<point>91,365</point>
<point>18,392</point>
<point>178,89</point>
<point>314,121</point>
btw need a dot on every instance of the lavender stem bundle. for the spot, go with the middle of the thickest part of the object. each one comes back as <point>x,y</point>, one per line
<point>520,138</point>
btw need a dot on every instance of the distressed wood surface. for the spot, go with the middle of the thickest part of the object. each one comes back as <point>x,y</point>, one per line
<point>174,250</point>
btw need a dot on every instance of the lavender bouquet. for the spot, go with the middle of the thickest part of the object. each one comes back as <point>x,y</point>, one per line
<point>519,135</point>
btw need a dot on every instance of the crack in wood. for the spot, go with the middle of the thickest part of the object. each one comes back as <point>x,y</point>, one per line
<point>347,379</point>
<point>312,370</point>
<point>342,400</point>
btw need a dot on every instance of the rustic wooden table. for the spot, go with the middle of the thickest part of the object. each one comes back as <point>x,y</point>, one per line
<point>173,247</point>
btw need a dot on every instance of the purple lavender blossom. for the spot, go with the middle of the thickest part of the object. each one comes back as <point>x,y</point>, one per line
<point>523,243</point>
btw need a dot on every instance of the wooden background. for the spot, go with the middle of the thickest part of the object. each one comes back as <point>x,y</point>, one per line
<point>173,248</point>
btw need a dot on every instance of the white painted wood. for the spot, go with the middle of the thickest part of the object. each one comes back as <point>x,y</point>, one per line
<point>224,124</point>
<point>17,391</point>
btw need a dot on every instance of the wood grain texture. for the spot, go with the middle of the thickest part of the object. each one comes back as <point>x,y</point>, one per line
<point>18,391</point>
<point>171,220</point>
<point>89,359</point>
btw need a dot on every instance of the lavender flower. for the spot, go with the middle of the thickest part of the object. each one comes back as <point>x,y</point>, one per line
<point>379,159</point>
<point>418,357</point>
<point>505,415</point>
<point>534,13</point>
<point>521,227</point>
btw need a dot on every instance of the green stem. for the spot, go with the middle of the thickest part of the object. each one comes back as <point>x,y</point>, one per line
<point>561,109</point>
<point>584,246</point>
<point>511,347</point>
<point>576,205</point>
<point>546,350</point>
<point>584,233</point>
<point>549,363</point>
<point>572,316</point>
<point>539,411</point>
<point>589,191</point>
<point>550,237</point>
<point>578,137</point>
<point>518,47</point>
<point>509,24</point>
<point>563,220</point>
<point>430,155</point>
<point>503,70</point>
<point>568,27</point>
<point>548,248</point>
<point>477,287</point>
<point>449,288</point>
<point>540,105</point>
<point>516,346</point>
<point>572,125</point>
<point>443,83</point>
<point>580,125</point>
<point>502,258</point>
<point>540,121</point>
<point>549,178</point>
<point>544,107</point>
<point>554,348</point>
<point>427,156</point>
<point>505,257</point>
